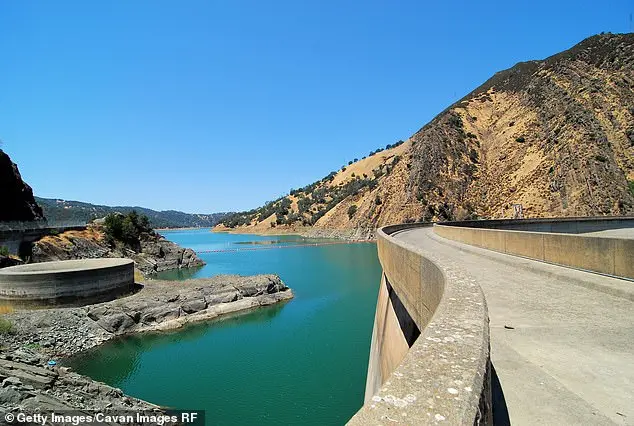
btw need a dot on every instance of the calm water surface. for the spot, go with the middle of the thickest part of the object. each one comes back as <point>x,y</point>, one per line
<point>301,362</point>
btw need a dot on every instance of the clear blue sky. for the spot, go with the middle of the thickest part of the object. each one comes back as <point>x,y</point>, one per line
<point>221,105</point>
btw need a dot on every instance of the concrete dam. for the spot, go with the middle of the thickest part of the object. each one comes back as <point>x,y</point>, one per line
<point>503,322</point>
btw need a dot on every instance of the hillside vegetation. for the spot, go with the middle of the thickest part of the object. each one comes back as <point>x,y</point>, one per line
<point>117,235</point>
<point>555,135</point>
<point>62,211</point>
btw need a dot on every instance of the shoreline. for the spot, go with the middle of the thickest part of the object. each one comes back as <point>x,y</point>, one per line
<point>352,235</point>
<point>189,228</point>
<point>58,334</point>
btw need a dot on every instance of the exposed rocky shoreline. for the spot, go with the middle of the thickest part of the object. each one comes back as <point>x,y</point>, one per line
<point>153,254</point>
<point>39,336</point>
<point>353,234</point>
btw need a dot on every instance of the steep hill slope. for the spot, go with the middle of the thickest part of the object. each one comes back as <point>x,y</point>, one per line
<point>63,211</point>
<point>555,135</point>
<point>16,197</point>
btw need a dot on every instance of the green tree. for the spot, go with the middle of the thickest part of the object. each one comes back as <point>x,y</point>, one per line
<point>129,230</point>
<point>351,211</point>
<point>113,226</point>
<point>126,229</point>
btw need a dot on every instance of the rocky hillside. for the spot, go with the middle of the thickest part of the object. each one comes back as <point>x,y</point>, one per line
<point>151,252</point>
<point>555,135</point>
<point>64,211</point>
<point>16,197</point>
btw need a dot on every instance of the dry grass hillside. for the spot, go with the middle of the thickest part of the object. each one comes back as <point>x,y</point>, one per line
<point>555,135</point>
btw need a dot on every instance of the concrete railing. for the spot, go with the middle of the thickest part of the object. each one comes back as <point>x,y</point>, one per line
<point>602,254</point>
<point>563,225</point>
<point>429,357</point>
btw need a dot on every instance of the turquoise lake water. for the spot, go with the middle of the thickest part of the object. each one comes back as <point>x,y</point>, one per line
<point>301,362</point>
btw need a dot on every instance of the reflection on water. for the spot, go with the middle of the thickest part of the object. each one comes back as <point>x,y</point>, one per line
<point>177,274</point>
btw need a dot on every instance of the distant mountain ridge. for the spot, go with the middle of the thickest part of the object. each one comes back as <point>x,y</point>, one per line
<point>554,135</point>
<point>58,211</point>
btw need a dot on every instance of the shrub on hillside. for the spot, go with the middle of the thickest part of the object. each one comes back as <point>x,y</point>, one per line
<point>6,326</point>
<point>351,211</point>
<point>126,228</point>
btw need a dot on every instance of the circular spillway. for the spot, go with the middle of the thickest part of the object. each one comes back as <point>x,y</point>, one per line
<point>66,279</point>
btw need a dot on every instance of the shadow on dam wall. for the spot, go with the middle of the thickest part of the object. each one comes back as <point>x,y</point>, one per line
<point>448,307</point>
<point>422,300</point>
<point>500,410</point>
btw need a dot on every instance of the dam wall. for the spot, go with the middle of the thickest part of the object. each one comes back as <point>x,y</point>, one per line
<point>557,241</point>
<point>431,335</point>
<point>67,279</point>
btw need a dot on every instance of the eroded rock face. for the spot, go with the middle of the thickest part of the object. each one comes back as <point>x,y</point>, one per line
<point>16,197</point>
<point>153,254</point>
<point>27,382</point>
<point>162,255</point>
<point>159,305</point>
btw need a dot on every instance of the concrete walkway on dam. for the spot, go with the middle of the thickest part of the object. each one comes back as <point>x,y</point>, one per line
<point>562,340</point>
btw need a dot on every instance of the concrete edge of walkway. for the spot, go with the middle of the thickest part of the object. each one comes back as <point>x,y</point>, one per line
<point>557,271</point>
<point>445,375</point>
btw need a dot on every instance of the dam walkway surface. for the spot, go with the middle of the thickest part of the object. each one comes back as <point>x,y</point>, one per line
<point>562,340</point>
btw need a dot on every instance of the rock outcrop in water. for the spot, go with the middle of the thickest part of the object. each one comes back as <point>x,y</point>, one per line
<point>16,197</point>
<point>36,337</point>
<point>152,254</point>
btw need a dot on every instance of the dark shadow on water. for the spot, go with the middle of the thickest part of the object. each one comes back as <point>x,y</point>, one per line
<point>500,410</point>
<point>181,274</point>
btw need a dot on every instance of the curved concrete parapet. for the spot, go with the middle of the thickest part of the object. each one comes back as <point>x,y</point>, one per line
<point>429,358</point>
<point>558,241</point>
<point>66,279</point>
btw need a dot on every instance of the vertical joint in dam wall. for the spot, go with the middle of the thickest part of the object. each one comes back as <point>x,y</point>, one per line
<point>430,318</point>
